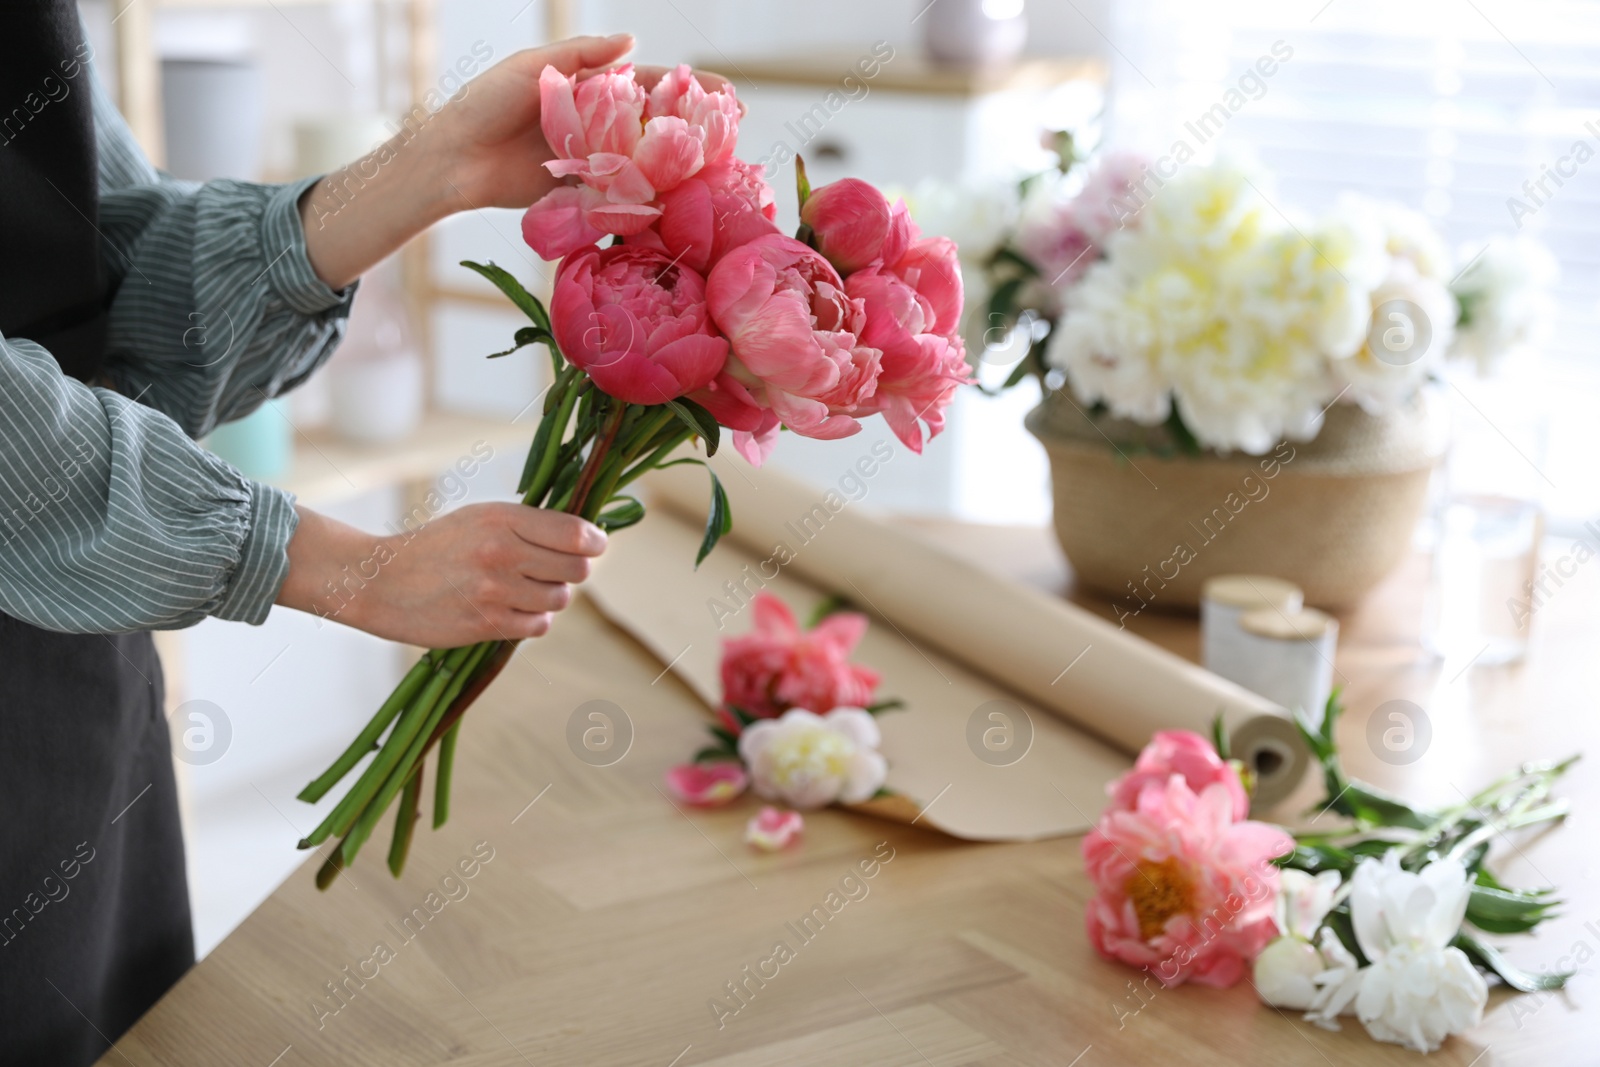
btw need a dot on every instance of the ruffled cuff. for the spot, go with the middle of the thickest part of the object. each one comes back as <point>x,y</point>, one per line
<point>264,559</point>
<point>283,247</point>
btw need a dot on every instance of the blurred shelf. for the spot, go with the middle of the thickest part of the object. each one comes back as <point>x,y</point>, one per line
<point>327,469</point>
<point>908,73</point>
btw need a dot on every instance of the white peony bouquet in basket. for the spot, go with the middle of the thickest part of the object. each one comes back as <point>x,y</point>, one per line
<point>1201,300</point>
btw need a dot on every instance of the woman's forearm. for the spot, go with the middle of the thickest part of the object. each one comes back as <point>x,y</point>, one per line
<point>357,216</point>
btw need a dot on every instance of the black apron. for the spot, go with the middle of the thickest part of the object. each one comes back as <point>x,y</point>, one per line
<point>94,907</point>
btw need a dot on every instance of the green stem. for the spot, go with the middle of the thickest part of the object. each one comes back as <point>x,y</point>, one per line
<point>413,681</point>
<point>650,462</point>
<point>405,822</point>
<point>441,781</point>
<point>552,446</point>
<point>598,454</point>
<point>354,802</point>
<point>401,769</point>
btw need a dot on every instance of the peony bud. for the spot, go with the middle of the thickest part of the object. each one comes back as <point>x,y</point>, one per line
<point>1284,970</point>
<point>855,226</point>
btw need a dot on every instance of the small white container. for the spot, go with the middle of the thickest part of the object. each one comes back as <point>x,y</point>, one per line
<point>1223,600</point>
<point>1288,657</point>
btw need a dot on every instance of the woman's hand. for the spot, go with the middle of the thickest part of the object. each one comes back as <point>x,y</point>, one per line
<point>489,133</point>
<point>482,573</point>
<point>484,148</point>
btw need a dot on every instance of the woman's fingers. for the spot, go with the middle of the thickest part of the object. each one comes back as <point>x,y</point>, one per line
<point>579,54</point>
<point>553,530</point>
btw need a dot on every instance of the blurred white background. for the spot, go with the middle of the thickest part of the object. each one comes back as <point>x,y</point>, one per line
<point>1448,107</point>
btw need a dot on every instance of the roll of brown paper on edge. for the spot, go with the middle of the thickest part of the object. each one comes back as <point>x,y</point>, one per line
<point>1075,664</point>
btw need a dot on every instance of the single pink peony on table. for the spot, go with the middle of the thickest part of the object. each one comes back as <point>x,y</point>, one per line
<point>794,333</point>
<point>1183,890</point>
<point>636,322</point>
<point>707,785</point>
<point>855,226</point>
<point>779,666</point>
<point>1184,753</point>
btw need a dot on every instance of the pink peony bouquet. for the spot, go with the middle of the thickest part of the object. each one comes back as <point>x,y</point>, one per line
<point>796,720</point>
<point>1382,917</point>
<point>679,311</point>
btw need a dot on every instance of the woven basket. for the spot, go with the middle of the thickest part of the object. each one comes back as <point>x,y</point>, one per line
<point>1148,524</point>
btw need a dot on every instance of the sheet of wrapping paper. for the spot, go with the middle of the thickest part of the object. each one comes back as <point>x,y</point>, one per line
<point>977,659</point>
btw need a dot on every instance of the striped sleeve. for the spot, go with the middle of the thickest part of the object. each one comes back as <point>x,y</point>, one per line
<point>112,519</point>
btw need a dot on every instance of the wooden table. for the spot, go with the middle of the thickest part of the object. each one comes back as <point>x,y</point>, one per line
<point>608,922</point>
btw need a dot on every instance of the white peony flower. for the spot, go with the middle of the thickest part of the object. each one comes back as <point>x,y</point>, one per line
<point>1417,989</point>
<point>1413,327</point>
<point>1503,298</point>
<point>1337,986</point>
<point>1407,234</point>
<point>1304,900</point>
<point>808,760</point>
<point>1285,970</point>
<point>976,214</point>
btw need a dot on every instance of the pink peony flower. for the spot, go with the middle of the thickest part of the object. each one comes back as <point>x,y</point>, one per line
<point>855,226</point>
<point>1184,753</point>
<point>626,147</point>
<point>1182,890</point>
<point>724,206</point>
<point>774,828</point>
<point>922,363</point>
<point>714,114</point>
<point>779,666</point>
<point>636,323</point>
<point>707,785</point>
<point>1071,236</point>
<point>794,336</point>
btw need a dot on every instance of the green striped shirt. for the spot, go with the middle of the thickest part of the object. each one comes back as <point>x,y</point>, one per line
<point>112,518</point>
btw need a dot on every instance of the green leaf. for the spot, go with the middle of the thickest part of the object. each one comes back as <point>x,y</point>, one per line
<point>1001,301</point>
<point>1489,958</point>
<point>892,704</point>
<point>881,793</point>
<point>699,420</point>
<point>719,520</point>
<point>714,754</point>
<point>1508,911</point>
<point>509,285</point>
<point>528,335</point>
<point>1315,858</point>
<point>1182,436</point>
<point>1007,254</point>
<point>830,605</point>
<point>1019,372</point>
<point>621,516</point>
<point>1219,737</point>
<point>726,736</point>
<point>802,184</point>
<point>744,717</point>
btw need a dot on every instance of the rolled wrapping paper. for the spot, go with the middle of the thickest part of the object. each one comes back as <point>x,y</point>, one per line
<point>972,654</point>
<point>1226,597</point>
<point>1287,657</point>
